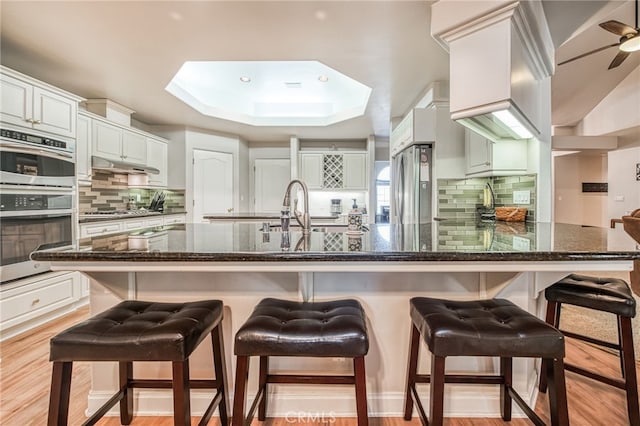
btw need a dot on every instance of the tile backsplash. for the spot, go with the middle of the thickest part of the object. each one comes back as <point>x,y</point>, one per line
<point>460,198</point>
<point>110,192</point>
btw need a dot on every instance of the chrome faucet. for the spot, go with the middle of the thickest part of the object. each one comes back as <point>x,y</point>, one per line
<point>302,218</point>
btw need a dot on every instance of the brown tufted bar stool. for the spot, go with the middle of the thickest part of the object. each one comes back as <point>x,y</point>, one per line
<point>142,331</point>
<point>494,328</point>
<point>300,329</point>
<point>611,295</point>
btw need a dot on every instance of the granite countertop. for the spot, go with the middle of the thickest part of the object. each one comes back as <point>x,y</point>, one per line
<point>125,216</point>
<point>437,241</point>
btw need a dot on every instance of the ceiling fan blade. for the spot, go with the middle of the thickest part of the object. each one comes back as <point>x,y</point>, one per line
<point>618,28</point>
<point>620,57</point>
<point>588,53</point>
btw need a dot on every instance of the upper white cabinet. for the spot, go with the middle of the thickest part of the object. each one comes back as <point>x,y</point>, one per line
<point>83,149</point>
<point>417,126</point>
<point>35,105</point>
<point>157,157</point>
<point>334,170</point>
<point>488,158</point>
<point>118,144</point>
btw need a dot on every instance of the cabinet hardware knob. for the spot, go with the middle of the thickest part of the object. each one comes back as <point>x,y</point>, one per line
<point>36,121</point>
<point>29,120</point>
<point>35,302</point>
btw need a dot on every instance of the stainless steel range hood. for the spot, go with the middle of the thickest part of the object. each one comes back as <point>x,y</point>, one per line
<point>100,163</point>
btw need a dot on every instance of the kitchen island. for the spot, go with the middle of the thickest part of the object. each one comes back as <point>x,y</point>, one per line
<point>383,268</point>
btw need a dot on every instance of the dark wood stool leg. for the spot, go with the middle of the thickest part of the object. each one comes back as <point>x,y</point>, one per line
<point>240,394</point>
<point>60,391</point>
<point>126,403</point>
<point>436,412</point>
<point>506,368</point>
<point>412,369</point>
<point>557,392</point>
<point>181,401</point>
<point>552,318</point>
<point>220,367</point>
<point>262,384</point>
<point>361,391</point>
<point>629,370</point>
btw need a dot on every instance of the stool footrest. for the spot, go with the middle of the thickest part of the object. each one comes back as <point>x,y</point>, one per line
<point>167,384</point>
<point>591,340</point>
<point>310,379</point>
<point>463,378</point>
<point>525,407</point>
<point>104,408</point>
<point>620,384</point>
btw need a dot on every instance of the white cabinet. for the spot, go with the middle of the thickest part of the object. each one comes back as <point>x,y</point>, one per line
<point>334,170</point>
<point>487,158</point>
<point>153,221</point>
<point>26,103</point>
<point>115,143</point>
<point>83,149</point>
<point>95,229</point>
<point>174,218</point>
<point>418,126</point>
<point>157,157</point>
<point>27,303</point>
<point>100,228</point>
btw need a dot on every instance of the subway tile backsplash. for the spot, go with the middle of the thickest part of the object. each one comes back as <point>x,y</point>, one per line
<point>460,198</point>
<point>110,192</point>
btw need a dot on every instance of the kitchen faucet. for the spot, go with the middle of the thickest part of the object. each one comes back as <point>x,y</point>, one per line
<point>305,222</point>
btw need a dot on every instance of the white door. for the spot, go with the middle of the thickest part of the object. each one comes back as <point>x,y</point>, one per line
<point>212,183</point>
<point>272,175</point>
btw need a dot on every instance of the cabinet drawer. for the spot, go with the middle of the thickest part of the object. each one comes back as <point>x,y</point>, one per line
<point>168,220</point>
<point>133,224</point>
<point>33,299</point>
<point>156,221</point>
<point>99,229</point>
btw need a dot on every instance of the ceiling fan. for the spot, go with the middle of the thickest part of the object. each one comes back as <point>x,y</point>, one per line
<point>629,41</point>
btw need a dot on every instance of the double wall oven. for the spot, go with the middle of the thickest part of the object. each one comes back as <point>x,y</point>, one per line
<point>37,181</point>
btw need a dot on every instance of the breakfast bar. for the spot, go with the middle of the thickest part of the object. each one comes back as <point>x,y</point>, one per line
<point>382,268</point>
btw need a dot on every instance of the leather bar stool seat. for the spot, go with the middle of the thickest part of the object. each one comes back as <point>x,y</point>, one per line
<point>142,331</point>
<point>493,328</point>
<point>300,329</point>
<point>611,295</point>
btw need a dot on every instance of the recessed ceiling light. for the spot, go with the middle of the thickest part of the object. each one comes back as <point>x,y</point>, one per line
<point>245,79</point>
<point>323,78</point>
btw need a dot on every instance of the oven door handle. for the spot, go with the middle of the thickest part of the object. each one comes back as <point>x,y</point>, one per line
<point>53,213</point>
<point>18,147</point>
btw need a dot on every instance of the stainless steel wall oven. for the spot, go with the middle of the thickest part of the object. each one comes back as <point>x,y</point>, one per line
<point>36,200</point>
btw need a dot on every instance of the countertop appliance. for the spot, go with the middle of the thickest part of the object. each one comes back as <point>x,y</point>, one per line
<point>411,185</point>
<point>36,200</point>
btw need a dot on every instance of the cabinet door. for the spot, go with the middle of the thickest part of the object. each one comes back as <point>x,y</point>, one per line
<point>54,113</point>
<point>311,170</point>
<point>157,157</point>
<point>83,148</point>
<point>15,101</point>
<point>355,171</point>
<point>478,152</point>
<point>134,147</point>
<point>107,140</point>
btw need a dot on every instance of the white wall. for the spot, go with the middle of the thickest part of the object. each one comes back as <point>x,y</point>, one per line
<point>571,205</point>
<point>624,189</point>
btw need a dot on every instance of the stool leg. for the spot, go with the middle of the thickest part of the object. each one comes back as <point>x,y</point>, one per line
<point>240,394</point>
<point>181,402</point>
<point>553,318</point>
<point>412,369</point>
<point>436,412</point>
<point>220,367</point>
<point>59,396</point>
<point>506,369</point>
<point>361,391</point>
<point>557,392</point>
<point>262,384</point>
<point>629,369</point>
<point>126,403</point>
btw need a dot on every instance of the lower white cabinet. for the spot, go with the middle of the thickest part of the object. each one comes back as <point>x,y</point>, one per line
<point>30,302</point>
<point>101,228</point>
<point>175,218</point>
<point>95,229</point>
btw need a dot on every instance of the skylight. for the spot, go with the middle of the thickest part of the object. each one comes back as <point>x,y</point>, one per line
<point>270,93</point>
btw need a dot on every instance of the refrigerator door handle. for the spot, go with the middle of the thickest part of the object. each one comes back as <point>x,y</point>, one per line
<point>401,185</point>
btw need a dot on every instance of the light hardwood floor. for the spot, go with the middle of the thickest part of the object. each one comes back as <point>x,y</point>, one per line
<point>25,374</point>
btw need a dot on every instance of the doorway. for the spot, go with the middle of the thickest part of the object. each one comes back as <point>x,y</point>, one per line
<point>271,177</point>
<point>212,183</point>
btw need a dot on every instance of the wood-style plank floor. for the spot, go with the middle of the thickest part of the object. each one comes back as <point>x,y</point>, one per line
<point>25,374</point>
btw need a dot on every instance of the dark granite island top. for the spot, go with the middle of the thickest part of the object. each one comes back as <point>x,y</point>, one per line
<point>432,245</point>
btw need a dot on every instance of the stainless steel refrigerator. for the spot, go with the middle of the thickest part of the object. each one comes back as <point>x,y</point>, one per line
<point>411,185</point>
